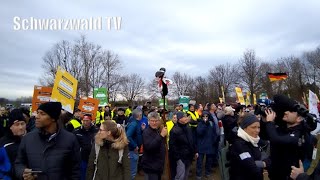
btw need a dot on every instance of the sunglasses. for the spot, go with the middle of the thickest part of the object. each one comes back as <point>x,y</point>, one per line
<point>205,116</point>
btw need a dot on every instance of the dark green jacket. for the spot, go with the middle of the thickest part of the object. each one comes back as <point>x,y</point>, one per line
<point>108,166</point>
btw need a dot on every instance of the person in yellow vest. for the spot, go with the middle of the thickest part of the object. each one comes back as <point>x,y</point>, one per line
<point>108,114</point>
<point>170,124</point>
<point>128,111</point>
<point>181,108</point>
<point>99,116</point>
<point>73,121</point>
<point>194,115</point>
<point>193,123</point>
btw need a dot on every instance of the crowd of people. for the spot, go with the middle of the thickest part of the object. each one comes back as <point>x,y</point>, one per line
<point>119,143</point>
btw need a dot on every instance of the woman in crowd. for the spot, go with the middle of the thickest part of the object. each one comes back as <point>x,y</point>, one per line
<point>246,161</point>
<point>109,156</point>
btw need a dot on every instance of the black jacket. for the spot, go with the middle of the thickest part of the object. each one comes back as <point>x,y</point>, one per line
<point>85,139</point>
<point>153,151</point>
<point>288,145</point>
<point>57,158</point>
<point>242,156</point>
<point>181,144</point>
<point>12,144</point>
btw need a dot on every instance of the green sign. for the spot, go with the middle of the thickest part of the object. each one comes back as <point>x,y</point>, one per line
<point>184,100</point>
<point>101,94</point>
<point>161,103</point>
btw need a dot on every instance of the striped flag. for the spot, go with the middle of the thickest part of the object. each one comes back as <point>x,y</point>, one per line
<point>277,76</point>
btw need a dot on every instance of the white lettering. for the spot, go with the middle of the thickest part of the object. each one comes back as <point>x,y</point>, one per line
<point>117,22</point>
<point>53,24</point>
<point>43,24</point>
<point>84,24</point>
<point>25,24</point>
<point>16,21</point>
<point>74,24</point>
<point>108,23</point>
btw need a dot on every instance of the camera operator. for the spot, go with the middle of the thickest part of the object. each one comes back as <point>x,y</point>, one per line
<point>289,135</point>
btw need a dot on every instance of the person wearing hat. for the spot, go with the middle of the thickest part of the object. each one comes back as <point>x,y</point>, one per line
<point>11,141</point>
<point>288,135</point>
<point>181,147</point>
<point>206,138</point>
<point>85,135</point>
<point>246,161</point>
<point>120,118</point>
<point>51,151</point>
<point>229,122</point>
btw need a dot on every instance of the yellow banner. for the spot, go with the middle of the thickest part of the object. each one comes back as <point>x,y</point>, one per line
<point>64,89</point>
<point>248,100</point>
<point>254,99</point>
<point>223,97</point>
<point>240,96</point>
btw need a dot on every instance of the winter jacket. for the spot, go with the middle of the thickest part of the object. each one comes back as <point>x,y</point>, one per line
<point>108,167</point>
<point>85,139</point>
<point>229,122</point>
<point>58,157</point>
<point>286,149</point>
<point>242,156</point>
<point>134,134</point>
<point>11,144</point>
<point>153,151</point>
<point>181,144</point>
<point>206,137</point>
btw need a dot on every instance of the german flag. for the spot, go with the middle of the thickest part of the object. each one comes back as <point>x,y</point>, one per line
<point>277,76</point>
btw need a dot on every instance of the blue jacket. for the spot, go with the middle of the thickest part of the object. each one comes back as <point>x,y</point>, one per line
<point>206,137</point>
<point>134,134</point>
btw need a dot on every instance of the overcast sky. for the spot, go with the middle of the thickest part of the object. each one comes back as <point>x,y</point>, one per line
<point>190,37</point>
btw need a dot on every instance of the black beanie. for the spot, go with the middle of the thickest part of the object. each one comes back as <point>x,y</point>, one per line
<point>53,109</point>
<point>15,115</point>
<point>248,120</point>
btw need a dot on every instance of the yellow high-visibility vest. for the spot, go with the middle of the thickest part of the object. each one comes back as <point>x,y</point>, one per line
<point>194,117</point>
<point>75,123</point>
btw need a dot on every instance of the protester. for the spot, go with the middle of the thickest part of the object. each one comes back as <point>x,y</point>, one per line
<point>109,156</point>
<point>30,121</point>
<point>85,135</point>
<point>206,138</point>
<point>289,139</point>
<point>154,148</point>
<point>181,147</point>
<point>246,161</point>
<point>134,134</point>
<point>10,142</point>
<point>51,151</point>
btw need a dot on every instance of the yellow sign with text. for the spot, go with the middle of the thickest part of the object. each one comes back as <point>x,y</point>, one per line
<point>64,89</point>
<point>240,96</point>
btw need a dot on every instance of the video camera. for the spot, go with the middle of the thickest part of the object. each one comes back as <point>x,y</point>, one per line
<point>262,106</point>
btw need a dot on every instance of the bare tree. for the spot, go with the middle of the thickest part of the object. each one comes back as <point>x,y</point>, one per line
<point>200,90</point>
<point>183,84</point>
<point>250,71</point>
<point>224,75</point>
<point>132,86</point>
<point>87,62</point>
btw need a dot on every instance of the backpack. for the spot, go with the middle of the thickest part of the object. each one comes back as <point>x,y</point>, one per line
<point>5,164</point>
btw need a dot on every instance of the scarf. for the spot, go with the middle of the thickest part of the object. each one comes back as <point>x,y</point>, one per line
<point>245,136</point>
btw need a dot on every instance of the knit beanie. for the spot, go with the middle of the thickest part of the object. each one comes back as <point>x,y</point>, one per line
<point>248,120</point>
<point>15,115</point>
<point>53,109</point>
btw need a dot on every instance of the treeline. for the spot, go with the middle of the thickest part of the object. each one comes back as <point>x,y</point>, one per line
<point>94,66</point>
